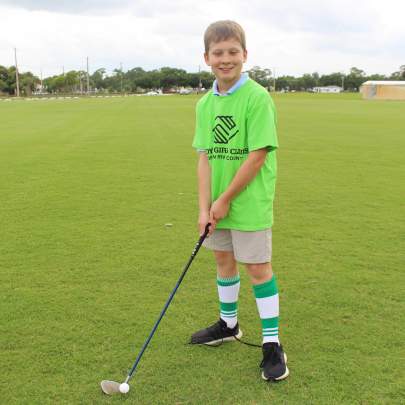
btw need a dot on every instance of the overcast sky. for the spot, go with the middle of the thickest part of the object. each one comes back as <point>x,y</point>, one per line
<point>292,36</point>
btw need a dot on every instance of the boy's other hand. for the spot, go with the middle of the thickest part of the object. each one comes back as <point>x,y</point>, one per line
<point>219,209</point>
<point>203,220</point>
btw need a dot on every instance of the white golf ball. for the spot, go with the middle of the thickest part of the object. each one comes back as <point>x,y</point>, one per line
<point>124,388</point>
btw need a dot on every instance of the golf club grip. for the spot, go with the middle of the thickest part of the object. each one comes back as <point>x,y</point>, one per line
<point>204,235</point>
<point>145,345</point>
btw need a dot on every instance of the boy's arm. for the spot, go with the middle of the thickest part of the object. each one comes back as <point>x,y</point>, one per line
<point>246,173</point>
<point>204,192</point>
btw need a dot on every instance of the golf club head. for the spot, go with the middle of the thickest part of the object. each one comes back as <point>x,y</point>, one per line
<point>110,387</point>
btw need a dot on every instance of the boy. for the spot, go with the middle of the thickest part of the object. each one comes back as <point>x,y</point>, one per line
<point>236,139</point>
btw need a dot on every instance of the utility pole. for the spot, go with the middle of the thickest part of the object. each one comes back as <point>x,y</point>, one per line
<point>80,80</point>
<point>274,79</point>
<point>343,82</point>
<point>17,83</point>
<point>88,80</point>
<point>121,75</point>
<point>42,85</point>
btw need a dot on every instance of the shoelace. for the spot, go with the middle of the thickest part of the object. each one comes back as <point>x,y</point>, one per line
<point>247,343</point>
<point>216,328</point>
<point>239,340</point>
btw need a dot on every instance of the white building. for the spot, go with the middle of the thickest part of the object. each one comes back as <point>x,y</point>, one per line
<point>327,89</point>
<point>383,90</point>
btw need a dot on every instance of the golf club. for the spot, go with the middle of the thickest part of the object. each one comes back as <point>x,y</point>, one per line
<point>113,387</point>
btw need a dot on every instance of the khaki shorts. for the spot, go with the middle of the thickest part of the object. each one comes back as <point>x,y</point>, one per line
<point>247,247</point>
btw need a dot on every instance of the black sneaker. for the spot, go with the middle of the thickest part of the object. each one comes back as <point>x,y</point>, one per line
<point>274,363</point>
<point>216,334</point>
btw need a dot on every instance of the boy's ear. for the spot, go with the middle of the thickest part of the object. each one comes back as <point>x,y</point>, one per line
<point>206,58</point>
<point>245,54</point>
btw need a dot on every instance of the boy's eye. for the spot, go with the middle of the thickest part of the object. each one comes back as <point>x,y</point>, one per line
<point>233,52</point>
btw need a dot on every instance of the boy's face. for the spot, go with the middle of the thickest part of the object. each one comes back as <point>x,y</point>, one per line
<point>226,59</point>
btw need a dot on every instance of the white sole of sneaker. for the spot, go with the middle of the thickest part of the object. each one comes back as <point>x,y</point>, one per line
<point>285,375</point>
<point>228,339</point>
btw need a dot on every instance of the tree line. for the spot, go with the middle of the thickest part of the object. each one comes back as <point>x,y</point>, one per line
<point>169,79</point>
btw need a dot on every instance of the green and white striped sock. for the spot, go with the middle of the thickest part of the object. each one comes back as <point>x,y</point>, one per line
<point>228,291</point>
<point>267,303</point>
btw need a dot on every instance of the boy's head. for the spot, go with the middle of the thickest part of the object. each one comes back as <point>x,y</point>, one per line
<point>223,30</point>
<point>225,51</point>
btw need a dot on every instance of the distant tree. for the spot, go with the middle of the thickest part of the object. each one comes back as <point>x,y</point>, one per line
<point>166,77</point>
<point>11,80</point>
<point>3,73</point>
<point>3,86</point>
<point>150,80</point>
<point>376,77</point>
<point>97,78</point>
<point>55,84</point>
<point>282,82</point>
<point>133,78</point>
<point>315,76</point>
<point>4,80</point>
<point>170,77</point>
<point>308,81</point>
<point>333,79</point>
<point>60,84</point>
<point>72,81</point>
<point>395,76</point>
<point>355,78</point>
<point>355,72</point>
<point>261,76</point>
<point>193,80</point>
<point>27,83</point>
<point>207,79</point>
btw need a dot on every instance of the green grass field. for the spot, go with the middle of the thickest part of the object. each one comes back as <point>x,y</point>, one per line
<point>86,262</point>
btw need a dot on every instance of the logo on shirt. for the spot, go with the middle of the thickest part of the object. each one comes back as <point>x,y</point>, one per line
<point>225,129</point>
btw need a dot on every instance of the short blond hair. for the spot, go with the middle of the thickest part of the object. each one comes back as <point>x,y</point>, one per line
<point>223,30</point>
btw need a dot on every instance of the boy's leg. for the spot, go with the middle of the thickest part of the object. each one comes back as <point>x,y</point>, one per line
<point>228,282</point>
<point>254,249</point>
<point>266,294</point>
<point>274,363</point>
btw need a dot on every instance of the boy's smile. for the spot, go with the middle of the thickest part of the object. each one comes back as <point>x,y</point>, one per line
<point>226,59</point>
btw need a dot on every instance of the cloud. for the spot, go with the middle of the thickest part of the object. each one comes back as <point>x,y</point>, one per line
<point>293,36</point>
<point>140,8</point>
<point>71,7</point>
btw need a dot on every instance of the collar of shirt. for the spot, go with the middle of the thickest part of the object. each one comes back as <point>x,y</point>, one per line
<point>239,83</point>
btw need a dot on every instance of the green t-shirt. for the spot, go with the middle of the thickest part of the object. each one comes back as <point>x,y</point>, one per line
<point>228,128</point>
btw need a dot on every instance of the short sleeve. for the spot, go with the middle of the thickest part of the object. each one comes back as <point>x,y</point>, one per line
<point>200,140</point>
<point>261,123</point>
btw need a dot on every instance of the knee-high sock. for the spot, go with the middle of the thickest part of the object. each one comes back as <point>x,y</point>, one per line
<point>228,291</point>
<point>267,303</point>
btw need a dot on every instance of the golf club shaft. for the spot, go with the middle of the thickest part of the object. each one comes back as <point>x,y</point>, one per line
<point>145,345</point>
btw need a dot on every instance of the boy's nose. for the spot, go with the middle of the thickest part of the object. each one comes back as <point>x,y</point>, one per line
<point>226,59</point>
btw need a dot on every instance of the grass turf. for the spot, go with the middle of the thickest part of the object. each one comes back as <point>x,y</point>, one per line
<point>86,262</point>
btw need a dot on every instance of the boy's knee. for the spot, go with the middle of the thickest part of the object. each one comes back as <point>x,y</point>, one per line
<point>226,263</point>
<point>259,272</point>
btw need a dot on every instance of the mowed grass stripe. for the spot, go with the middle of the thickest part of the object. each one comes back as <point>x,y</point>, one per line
<point>86,262</point>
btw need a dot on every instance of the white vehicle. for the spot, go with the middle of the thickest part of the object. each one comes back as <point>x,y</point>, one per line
<point>185,91</point>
